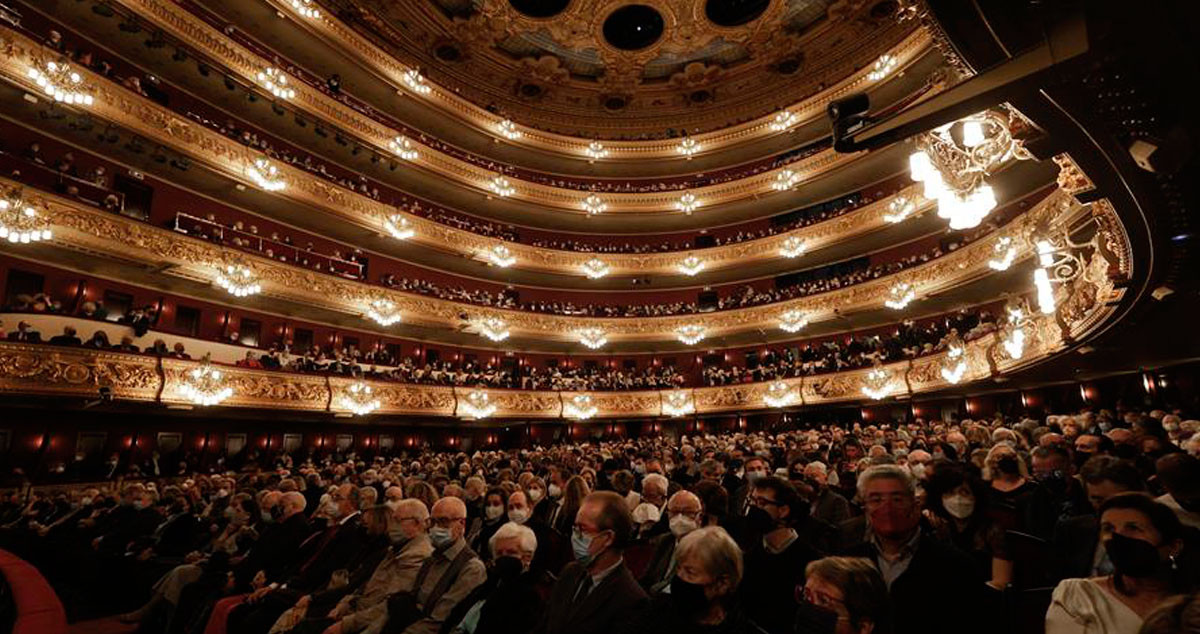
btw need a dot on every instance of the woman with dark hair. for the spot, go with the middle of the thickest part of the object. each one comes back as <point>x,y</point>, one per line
<point>493,518</point>
<point>956,507</point>
<point>98,341</point>
<point>1144,541</point>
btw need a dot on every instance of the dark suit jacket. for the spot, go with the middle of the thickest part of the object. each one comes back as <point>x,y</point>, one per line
<point>662,547</point>
<point>32,336</point>
<point>1075,542</point>
<point>341,544</point>
<point>831,507</point>
<point>610,605</point>
<point>275,549</point>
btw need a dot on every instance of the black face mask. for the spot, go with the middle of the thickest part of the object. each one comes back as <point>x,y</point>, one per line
<point>688,598</point>
<point>1082,457</point>
<point>1132,557</point>
<point>1125,452</point>
<point>505,569</point>
<point>1008,465</point>
<point>812,619</point>
<point>276,512</point>
<point>759,520</point>
<point>1055,482</point>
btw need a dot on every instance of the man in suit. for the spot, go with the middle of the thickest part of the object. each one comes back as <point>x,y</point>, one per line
<point>596,594</point>
<point>684,514</point>
<point>828,505</point>
<point>67,338</point>
<point>25,333</point>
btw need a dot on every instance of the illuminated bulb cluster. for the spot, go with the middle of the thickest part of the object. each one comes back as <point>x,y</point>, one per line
<point>877,383</point>
<point>416,82</point>
<point>779,394</point>
<point>61,83</point>
<point>359,399</point>
<point>494,328</point>
<point>882,68</point>
<point>784,120</point>
<point>306,9</point>
<point>385,312</point>
<point>403,147</point>
<point>595,150</point>
<point>691,265</point>
<point>477,405</point>
<point>899,210</point>
<point>687,147</point>
<point>792,247</point>
<point>580,407</point>
<point>901,294</point>
<point>508,129</point>
<point>1014,343</point>
<point>595,268</point>
<point>502,187</point>
<point>20,223</point>
<point>676,404</point>
<point>265,175</point>
<point>399,227</point>
<point>785,179</point>
<point>205,385</point>
<point>594,204</point>
<point>964,210</point>
<point>687,203</point>
<point>793,321</point>
<point>593,338</point>
<point>501,256</point>
<point>1005,251</point>
<point>238,280</point>
<point>690,334</point>
<point>276,83</point>
<point>955,365</point>
<point>1041,278</point>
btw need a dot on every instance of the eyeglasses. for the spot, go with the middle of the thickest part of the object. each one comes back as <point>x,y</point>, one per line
<point>758,500</point>
<point>816,598</point>
<point>446,522</point>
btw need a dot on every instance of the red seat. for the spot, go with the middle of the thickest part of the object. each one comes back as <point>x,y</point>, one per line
<point>38,609</point>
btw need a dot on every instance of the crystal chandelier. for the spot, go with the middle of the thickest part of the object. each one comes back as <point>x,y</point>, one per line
<point>595,150</point>
<point>676,404</point>
<point>954,366</point>
<point>494,328</point>
<point>1014,329</point>
<point>687,203</point>
<point>779,394</point>
<point>954,160</point>
<point>477,405</point>
<point>238,279</point>
<point>20,222</point>
<point>580,407</point>
<point>595,268</point>
<point>792,247</point>
<point>265,175</point>
<point>306,9</point>
<point>1004,252</point>
<point>882,68</point>
<point>594,204</point>
<point>901,294</point>
<point>403,147</point>
<point>899,210</point>
<point>792,321</point>
<point>416,82</point>
<point>276,83</point>
<point>593,338</point>
<point>691,265</point>
<point>508,129</point>
<point>399,227</point>
<point>501,256</point>
<point>690,334</point>
<point>687,147</point>
<point>502,187</point>
<point>783,120</point>
<point>1041,277</point>
<point>785,179</point>
<point>61,83</point>
<point>204,384</point>
<point>877,383</point>
<point>359,399</point>
<point>383,311</point>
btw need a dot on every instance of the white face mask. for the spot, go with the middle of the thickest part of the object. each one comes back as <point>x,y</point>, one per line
<point>536,495</point>
<point>518,516</point>
<point>918,470</point>
<point>682,525</point>
<point>492,511</point>
<point>555,491</point>
<point>392,504</point>
<point>958,506</point>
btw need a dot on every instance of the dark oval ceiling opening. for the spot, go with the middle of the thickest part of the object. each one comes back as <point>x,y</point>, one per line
<point>734,12</point>
<point>633,27</point>
<point>540,8</point>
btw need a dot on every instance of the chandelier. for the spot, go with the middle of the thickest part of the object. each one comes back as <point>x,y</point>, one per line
<point>306,9</point>
<point>792,321</point>
<point>508,129</point>
<point>1014,327</point>
<point>20,222</point>
<point>783,120</point>
<point>403,147</point>
<point>882,68</point>
<point>502,187</point>
<point>494,328</point>
<point>580,407</point>
<point>687,147</point>
<point>593,338</point>
<point>399,227</point>
<point>779,394</point>
<point>383,311</point>
<point>899,210</point>
<point>877,383</point>
<point>687,203</point>
<point>691,265</point>
<point>416,82</point>
<point>901,294</point>
<point>238,279</point>
<point>594,204</point>
<point>501,256</point>
<point>276,83</point>
<point>954,160</point>
<point>61,83</point>
<point>265,175</point>
<point>792,247</point>
<point>676,404</point>
<point>785,179</point>
<point>955,364</point>
<point>690,334</point>
<point>359,399</point>
<point>595,268</point>
<point>1005,251</point>
<point>204,384</point>
<point>477,405</point>
<point>595,150</point>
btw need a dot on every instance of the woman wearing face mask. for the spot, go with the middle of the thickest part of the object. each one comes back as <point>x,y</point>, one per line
<point>1144,541</point>
<point>535,490</point>
<point>956,506</point>
<point>843,595</point>
<point>703,596</point>
<point>493,518</point>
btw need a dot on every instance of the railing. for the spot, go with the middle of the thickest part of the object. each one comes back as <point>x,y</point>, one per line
<point>188,225</point>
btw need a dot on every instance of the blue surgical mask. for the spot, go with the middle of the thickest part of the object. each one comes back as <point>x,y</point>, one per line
<point>440,537</point>
<point>581,546</point>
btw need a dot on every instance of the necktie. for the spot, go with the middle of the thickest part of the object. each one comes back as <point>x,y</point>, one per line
<point>585,587</point>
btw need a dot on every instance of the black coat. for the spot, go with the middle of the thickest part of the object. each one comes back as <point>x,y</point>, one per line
<point>1075,542</point>
<point>275,549</point>
<point>608,608</point>
<point>663,618</point>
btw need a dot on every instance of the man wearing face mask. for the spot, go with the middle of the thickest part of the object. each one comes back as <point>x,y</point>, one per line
<point>1060,495</point>
<point>685,513</point>
<point>549,556</point>
<point>827,505</point>
<point>514,596</point>
<point>596,594</point>
<point>756,467</point>
<point>775,561</point>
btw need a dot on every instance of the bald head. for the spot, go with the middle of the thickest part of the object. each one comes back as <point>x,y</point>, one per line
<point>292,502</point>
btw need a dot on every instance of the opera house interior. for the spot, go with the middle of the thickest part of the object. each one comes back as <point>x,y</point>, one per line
<point>599,317</point>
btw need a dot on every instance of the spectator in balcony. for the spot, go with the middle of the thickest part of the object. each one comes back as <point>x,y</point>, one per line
<point>159,348</point>
<point>67,338</point>
<point>178,352</point>
<point>33,154</point>
<point>127,345</point>
<point>25,333</point>
<point>93,310</point>
<point>249,361</point>
<point>99,341</point>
